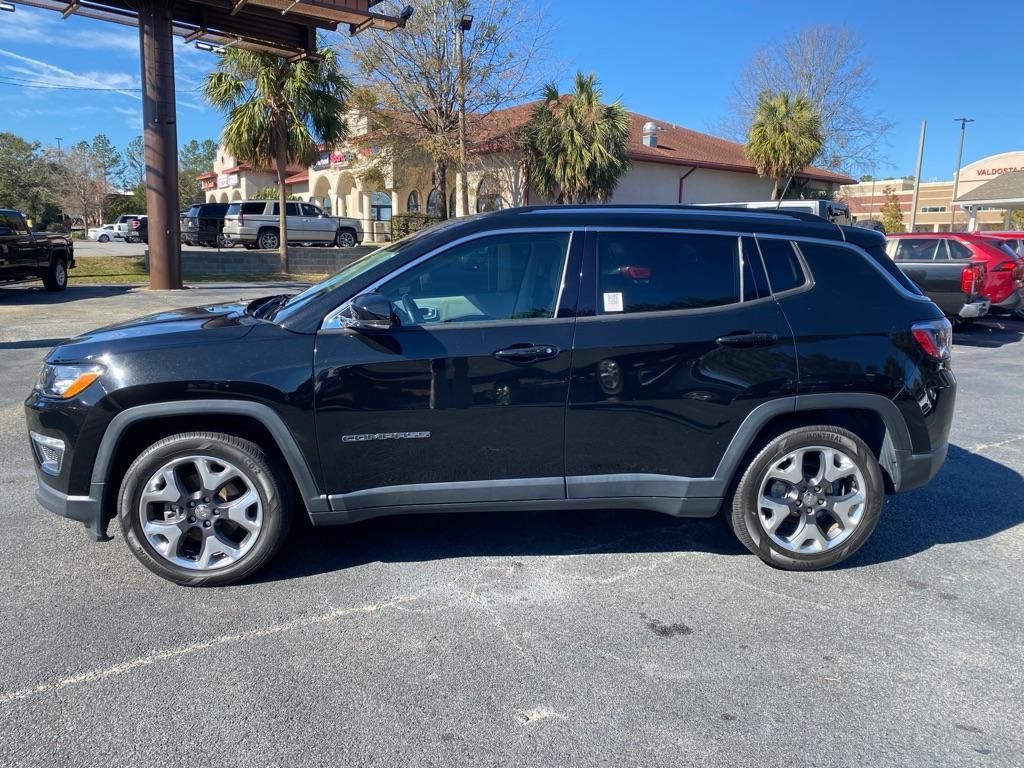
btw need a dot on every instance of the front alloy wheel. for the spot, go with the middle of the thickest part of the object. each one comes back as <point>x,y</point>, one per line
<point>200,512</point>
<point>203,508</point>
<point>809,499</point>
<point>345,239</point>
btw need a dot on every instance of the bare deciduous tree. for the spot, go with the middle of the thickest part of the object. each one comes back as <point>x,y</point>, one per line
<point>827,65</point>
<point>82,186</point>
<point>410,79</point>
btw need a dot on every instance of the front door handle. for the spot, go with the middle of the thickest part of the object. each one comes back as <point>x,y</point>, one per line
<point>746,340</point>
<point>527,353</point>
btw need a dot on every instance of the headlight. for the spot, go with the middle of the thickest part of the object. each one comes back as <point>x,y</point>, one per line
<point>66,381</point>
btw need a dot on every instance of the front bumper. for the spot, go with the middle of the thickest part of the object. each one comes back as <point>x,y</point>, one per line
<point>977,308</point>
<point>87,510</point>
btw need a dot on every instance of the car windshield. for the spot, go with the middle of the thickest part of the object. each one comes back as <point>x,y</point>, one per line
<point>338,279</point>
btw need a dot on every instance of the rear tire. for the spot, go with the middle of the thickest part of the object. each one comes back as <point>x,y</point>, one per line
<point>268,240</point>
<point>189,504</point>
<point>809,499</point>
<point>104,239</point>
<point>56,276</point>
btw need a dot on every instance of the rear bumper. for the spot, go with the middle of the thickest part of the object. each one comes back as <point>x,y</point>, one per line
<point>917,469</point>
<point>977,308</point>
<point>1008,305</point>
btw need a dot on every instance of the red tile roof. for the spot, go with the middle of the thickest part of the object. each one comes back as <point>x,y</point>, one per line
<point>676,145</point>
<point>297,178</point>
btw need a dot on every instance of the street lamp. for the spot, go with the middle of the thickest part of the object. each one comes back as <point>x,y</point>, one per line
<point>465,24</point>
<point>201,46</point>
<point>956,176</point>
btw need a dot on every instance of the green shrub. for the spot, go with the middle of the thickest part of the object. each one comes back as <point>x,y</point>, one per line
<point>403,224</point>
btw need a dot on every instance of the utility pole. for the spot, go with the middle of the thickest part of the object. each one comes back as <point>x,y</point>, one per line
<point>956,176</point>
<point>60,151</point>
<point>465,24</point>
<point>917,175</point>
<point>161,142</point>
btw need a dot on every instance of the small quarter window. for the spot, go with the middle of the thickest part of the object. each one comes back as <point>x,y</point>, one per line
<point>782,265</point>
<point>958,250</point>
<point>656,272</point>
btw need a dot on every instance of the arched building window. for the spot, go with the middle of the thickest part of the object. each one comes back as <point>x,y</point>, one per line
<point>488,195</point>
<point>432,202</point>
<point>451,205</point>
<point>412,205</point>
<point>380,205</point>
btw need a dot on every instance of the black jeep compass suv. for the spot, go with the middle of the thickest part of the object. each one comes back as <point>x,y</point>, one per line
<point>685,360</point>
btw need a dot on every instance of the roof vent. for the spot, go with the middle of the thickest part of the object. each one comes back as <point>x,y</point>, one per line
<point>651,134</point>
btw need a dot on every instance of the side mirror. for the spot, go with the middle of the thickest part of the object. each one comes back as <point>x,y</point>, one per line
<point>368,312</point>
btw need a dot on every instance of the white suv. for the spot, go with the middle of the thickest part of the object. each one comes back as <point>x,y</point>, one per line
<point>254,223</point>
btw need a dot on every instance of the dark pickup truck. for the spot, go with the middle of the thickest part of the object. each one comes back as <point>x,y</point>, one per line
<point>955,284</point>
<point>28,255</point>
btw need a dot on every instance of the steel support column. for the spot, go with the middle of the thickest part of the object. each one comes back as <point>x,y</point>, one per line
<point>160,134</point>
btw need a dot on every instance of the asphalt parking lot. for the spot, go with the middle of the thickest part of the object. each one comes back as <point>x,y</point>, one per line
<point>589,638</point>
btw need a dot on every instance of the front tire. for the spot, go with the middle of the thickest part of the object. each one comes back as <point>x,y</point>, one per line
<point>104,239</point>
<point>204,509</point>
<point>809,499</point>
<point>56,276</point>
<point>345,238</point>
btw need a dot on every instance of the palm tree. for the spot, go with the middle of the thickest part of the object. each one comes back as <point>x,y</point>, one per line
<point>575,145</point>
<point>279,112</point>
<point>785,135</point>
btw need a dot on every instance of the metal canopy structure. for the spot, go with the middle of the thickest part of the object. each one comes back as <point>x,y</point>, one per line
<point>286,28</point>
<point>1006,192</point>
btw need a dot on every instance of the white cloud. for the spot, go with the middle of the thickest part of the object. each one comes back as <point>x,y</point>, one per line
<point>37,27</point>
<point>28,68</point>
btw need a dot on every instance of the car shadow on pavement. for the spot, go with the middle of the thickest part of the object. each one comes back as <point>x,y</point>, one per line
<point>941,513</point>
<point>416,538</point>
<point>990,333</point>
<point>972,498</point>
<point>33,295</point>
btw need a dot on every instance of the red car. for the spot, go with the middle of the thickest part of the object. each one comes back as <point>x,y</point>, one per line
<point>1014,240</point>
<point>1004,284</point>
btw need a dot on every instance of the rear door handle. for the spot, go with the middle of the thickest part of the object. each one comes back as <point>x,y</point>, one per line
<point>527,353</point>
<point>745,340</point>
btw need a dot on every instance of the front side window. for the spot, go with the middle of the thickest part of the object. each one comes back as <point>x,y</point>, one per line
<point>310,210</point>
<point>656,271</point>
<point>505,277</point>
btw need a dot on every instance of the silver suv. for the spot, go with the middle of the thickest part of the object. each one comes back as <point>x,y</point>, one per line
<point>254,223</point>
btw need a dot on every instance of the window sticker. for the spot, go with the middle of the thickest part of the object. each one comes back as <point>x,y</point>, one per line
<point>613,302</point>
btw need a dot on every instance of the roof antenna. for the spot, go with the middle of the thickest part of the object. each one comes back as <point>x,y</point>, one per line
<point>785,189</point>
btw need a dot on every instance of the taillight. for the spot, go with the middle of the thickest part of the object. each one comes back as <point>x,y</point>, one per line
<point>241,219</point>
<point>934,338</point>
<point>1006,266</point>
<point>968,278</point>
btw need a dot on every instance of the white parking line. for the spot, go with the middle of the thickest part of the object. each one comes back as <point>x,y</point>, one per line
<point>142,661</point>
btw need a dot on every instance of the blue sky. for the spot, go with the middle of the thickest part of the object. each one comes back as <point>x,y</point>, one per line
<point>676,62</point>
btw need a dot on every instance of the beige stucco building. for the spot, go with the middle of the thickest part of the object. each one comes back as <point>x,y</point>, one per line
<point>934,205</point>
<point>669,164</point>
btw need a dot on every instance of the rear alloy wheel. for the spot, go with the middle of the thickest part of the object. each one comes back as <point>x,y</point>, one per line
<point>345,239</point>
<point>809,499</point>
<point>56,276</point>
<point>104,239</point>
<point>268,240</point>
<point>225,242</point>
<point>203,509</point>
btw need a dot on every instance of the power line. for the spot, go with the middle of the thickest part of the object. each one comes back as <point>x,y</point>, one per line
<point>23,83</point>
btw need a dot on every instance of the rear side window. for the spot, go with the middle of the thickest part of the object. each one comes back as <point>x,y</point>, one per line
<point>958,250</point>
<point>851,281</point>
<point>916,249</point>
<point>881,259</point>
<point>657,271</point>
<point>233,209</point>
<point>782,264</point>
<point>254,209</point>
